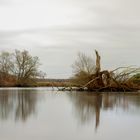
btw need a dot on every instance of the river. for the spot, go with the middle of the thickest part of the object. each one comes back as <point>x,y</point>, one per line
<point>43,114</point>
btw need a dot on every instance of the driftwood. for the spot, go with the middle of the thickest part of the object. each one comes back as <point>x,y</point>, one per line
<point>119,79</point>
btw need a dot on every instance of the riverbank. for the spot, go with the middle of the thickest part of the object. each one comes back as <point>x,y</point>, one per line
<point>67,85</point>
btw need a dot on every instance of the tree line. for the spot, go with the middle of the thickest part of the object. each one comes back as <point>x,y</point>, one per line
<point>20,68</point>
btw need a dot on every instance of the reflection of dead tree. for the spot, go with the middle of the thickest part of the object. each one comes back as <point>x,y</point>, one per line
<point>97,110</point>
<point>87,107</point>
<point>120,79</point>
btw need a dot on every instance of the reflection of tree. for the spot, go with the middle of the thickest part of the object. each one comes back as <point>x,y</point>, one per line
<point>98,103</point>
<point>5,104</point>
<point>18,103</point>
<point>87,106</point>
<point>26,104</point>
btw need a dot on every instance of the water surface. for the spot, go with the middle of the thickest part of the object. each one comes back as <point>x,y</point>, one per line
<point>42,114</point>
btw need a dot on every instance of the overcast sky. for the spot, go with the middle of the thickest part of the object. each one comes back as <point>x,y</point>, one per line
<point>55,30</point>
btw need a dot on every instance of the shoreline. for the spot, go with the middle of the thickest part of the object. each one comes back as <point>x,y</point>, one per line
<point>63,89</point>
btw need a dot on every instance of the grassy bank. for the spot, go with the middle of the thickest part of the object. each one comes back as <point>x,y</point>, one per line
<point>53,84</point>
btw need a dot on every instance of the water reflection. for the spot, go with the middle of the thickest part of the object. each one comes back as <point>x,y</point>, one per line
<point>88,106</point>
<point>17,104</point>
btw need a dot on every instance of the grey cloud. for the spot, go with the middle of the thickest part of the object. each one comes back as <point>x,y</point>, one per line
<point>5,2</point>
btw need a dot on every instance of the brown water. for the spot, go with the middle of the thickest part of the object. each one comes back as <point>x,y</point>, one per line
<point>41,114</point>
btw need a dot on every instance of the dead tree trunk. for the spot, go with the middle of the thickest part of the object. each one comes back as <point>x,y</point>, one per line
<point>99,81</point>
<point>98,63</point>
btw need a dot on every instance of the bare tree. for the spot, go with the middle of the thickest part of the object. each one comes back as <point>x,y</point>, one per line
<point>18,68</point>
<point>42,75</point>
<point>84,64</point>
<point>6,65</point>
<point>84,67</point>
<point>25,67</point>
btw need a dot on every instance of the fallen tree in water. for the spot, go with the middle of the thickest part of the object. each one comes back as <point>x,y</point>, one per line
<point>89,76</point>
